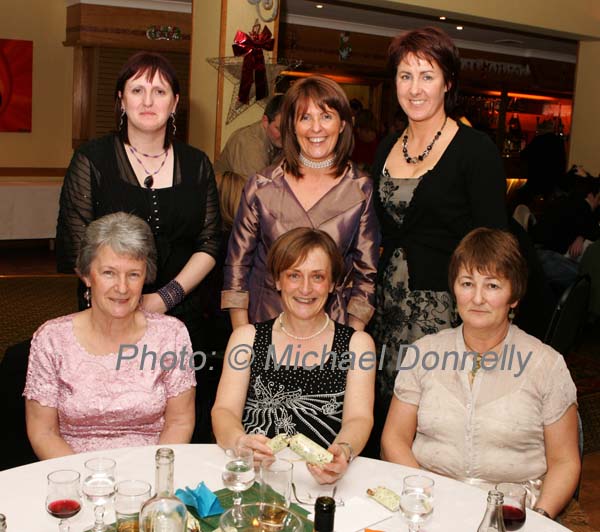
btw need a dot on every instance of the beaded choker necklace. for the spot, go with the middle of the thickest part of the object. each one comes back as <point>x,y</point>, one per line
<point>419,158</point>
<point>309,163</point>
<point>310,337</point>
<point>149,180</point>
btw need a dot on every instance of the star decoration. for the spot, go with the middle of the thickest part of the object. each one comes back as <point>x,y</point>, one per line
<point>232,70</point>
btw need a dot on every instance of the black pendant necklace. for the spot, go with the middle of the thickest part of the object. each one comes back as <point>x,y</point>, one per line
<point>420,158</point>
<point>149,180</point>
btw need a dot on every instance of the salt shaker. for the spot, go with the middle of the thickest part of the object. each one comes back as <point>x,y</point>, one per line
<point>493,520</point>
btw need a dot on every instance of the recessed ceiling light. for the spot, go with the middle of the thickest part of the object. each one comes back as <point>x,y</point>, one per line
<point>319,6</point>
<point>459,28</point>
<point>442,18</point>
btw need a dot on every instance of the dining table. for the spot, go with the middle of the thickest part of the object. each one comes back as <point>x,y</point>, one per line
<point>458,507</point>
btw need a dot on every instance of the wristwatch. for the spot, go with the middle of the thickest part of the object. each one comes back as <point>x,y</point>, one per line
<point>542,511</point>
<point>350,451</point>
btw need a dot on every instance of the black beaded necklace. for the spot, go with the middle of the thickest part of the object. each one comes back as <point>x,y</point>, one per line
<point>420,158</point>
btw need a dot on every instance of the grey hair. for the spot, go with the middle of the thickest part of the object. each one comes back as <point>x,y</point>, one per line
<point>126,234</point>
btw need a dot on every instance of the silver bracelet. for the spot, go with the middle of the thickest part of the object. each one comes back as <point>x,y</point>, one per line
<point>345,445</point>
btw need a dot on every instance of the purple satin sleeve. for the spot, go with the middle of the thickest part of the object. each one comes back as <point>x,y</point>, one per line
<point>240,252</point>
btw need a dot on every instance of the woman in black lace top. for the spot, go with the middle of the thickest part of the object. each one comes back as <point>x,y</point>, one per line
<point>144,170</point>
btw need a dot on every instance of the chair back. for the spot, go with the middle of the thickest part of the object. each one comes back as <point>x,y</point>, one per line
<point>524,216</point>
<point>569,316</point>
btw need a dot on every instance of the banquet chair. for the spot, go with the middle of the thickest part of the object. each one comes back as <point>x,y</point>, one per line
<point>569,316</point>
<point>524,216</point>
<point>16,450</point>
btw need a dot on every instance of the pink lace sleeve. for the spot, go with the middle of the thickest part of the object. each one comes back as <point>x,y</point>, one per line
<point>178,380</point>
<point>41,384</point>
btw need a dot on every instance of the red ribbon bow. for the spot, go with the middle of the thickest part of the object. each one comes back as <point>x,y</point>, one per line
<point>253,68</point>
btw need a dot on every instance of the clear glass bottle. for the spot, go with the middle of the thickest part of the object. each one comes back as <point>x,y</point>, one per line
<point>324,514</point>
<point>164,512</point>
<point>493,520</point>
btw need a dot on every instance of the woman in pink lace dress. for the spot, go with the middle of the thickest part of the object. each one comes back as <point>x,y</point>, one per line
<point>112,375</point>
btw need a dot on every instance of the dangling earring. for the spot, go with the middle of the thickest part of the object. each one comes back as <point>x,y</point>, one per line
<point>173,123</point>
<point>122,119</point>
<point>87,295</point>
<point>511,314</point>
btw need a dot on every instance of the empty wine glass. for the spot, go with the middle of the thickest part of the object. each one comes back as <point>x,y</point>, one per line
<point>99,487</point>
<point>239,474</point>
<point>416,501</point>
<point>63,500</point>
<point>513,508</point>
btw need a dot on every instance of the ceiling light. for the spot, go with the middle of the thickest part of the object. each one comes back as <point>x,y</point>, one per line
<point>459,28</point>
<point>319,6</point>
<point>442,17</point>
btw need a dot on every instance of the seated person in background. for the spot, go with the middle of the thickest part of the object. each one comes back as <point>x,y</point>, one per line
<point>86,387</point>
<point>491,419</point>
<point>563,230</point>
<point>365,139</point>
<point>252,148</point>
<point>324,394</point>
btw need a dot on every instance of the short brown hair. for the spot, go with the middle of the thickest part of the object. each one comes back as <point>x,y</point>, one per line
<point>293,247</point>
<point>435,46</point>
<point>494,252</point>
<point>325,93</point>
<point>148,63</point>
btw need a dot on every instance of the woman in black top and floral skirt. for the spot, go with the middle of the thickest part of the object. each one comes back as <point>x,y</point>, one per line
<point>434,182</point>
<point>144,170</point>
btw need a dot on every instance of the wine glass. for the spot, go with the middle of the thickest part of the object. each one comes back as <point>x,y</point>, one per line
<point>239,473</point>
<point>63,500</point>
<point>416,501</point>
<point>99,487</point>
<point>513,508</point>
<point>251,518</point>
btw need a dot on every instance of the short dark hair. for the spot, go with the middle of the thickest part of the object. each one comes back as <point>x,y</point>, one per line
<point>494,252</point>
<point>325,93</point>
<point>435,46</point>
<point>138,64</point>
<point>273,108</point>
<point>293,247</point>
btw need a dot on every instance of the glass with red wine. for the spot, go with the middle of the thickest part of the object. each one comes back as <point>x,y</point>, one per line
<point>63,500</point>
<point>513,509</point>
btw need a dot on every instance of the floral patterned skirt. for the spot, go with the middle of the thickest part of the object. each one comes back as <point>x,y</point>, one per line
<point>402,317</point>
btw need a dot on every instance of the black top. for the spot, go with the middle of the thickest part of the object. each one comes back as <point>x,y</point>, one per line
<point>290,399</point>
<point>466,189</point>
<point>184,218</point>
<point>563,222</point>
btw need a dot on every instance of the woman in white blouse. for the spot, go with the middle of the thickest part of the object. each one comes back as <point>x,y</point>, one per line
<point>485,402</point>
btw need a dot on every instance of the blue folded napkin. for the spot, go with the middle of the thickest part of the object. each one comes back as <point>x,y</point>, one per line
<point>202,499</point>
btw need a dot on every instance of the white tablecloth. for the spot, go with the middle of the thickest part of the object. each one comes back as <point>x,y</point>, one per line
<point>28,210</point>
<point>458,507</point>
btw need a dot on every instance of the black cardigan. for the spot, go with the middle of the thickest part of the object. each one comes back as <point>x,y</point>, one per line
<point>466,189</point>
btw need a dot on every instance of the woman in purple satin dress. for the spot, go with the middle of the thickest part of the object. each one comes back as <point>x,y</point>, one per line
<point>316,186</point>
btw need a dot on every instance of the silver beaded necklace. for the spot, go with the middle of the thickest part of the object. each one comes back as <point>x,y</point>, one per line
<point>283,329</point>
